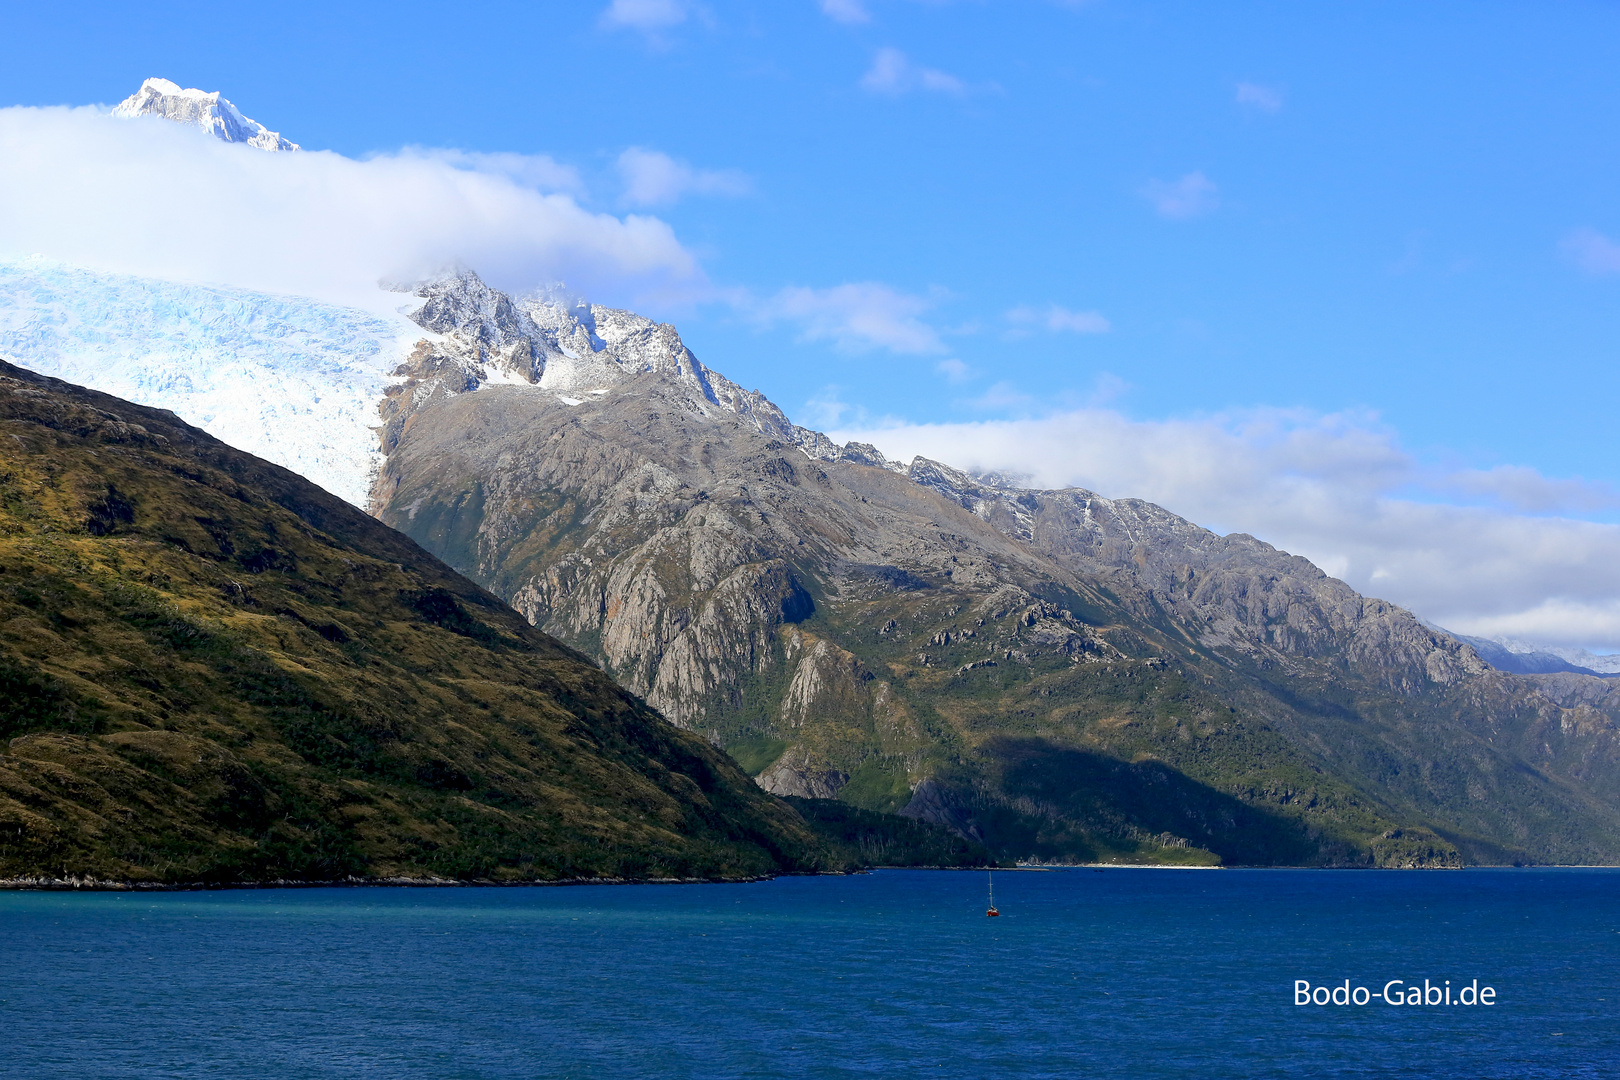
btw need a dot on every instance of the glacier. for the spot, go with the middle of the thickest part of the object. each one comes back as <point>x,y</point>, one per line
<point>294,380</point>
<point>304,383</point>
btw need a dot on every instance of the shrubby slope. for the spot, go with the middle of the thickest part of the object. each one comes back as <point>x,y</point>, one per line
<point>212,670</point>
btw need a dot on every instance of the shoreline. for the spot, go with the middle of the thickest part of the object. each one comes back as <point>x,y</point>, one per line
<point>72,884</point>
<point>90,884</point>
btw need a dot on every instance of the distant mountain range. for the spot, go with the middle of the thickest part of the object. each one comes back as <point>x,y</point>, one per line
<point>1532,658</point>
<point>1054,673</point>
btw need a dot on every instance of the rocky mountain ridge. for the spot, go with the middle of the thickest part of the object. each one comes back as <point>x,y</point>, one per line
<point>561,343</point>
<point>1228,592</point>
<point>897,635</point>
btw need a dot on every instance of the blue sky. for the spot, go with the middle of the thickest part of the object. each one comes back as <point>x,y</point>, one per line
<point>1345,225</point>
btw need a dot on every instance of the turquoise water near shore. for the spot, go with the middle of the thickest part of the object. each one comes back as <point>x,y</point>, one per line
<point>1135,973</point>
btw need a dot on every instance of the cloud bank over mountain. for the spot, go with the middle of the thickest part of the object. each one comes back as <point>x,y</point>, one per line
<point>1493,552</point>
<point>157,199</point>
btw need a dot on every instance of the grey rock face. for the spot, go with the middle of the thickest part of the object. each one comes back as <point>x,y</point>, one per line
<point>793,774</point>
<point>886,624</point>
<point>1232,593</point>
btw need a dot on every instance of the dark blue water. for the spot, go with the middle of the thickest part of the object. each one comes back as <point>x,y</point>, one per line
<point>1136,973</point>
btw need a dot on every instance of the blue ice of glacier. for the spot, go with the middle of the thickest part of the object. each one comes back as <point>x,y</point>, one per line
<point>293,380</point>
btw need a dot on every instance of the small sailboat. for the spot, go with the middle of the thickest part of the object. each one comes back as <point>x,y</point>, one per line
<point>992,912</point>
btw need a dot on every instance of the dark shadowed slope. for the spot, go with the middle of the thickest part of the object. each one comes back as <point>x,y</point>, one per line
<point>212,670</point>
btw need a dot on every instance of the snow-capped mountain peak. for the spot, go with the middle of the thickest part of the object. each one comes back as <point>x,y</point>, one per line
<point>209,111</point>
<point>559,342</point>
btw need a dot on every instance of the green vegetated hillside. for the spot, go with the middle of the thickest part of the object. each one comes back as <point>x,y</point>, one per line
<point>1160,752</point>
<point>875,838</point>
<point>211,670</point>
<point>1117,758</point>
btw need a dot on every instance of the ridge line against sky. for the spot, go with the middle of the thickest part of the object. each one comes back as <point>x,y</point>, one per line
<point>1213,263</point>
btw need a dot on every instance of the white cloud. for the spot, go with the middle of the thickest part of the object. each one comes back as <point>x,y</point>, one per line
<point>1192,195</point>
<point>955,371</point>
<point>655,179</point>
<point>849,12</point>
<point>893,73</point>
<point>855,317</point>
<point>1105,388</point>
<point>1059,319</point>
<point>1525,489</point>
<point>1556,621</point>
<point>527,170</point>
<point>1592,251</point>
<point>1001,397</point>
<point>827,409</point>
<point>1263,98</point>
<point>1337,489</point>
<point>647,16</point>
<point>157,199</point>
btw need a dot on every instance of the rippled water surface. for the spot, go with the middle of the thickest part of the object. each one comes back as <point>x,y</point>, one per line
<point>1116,973</point>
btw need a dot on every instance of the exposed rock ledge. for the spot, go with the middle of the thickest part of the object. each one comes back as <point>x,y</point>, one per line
<point>793,774</point>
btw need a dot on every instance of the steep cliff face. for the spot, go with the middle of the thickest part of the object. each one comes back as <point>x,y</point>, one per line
<point>676,541</point>
<point>1026,666</point>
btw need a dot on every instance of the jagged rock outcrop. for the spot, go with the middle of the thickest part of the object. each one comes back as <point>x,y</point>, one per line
<point>1000,660</point>
<point>564,344</point>
<point>794,774</point>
